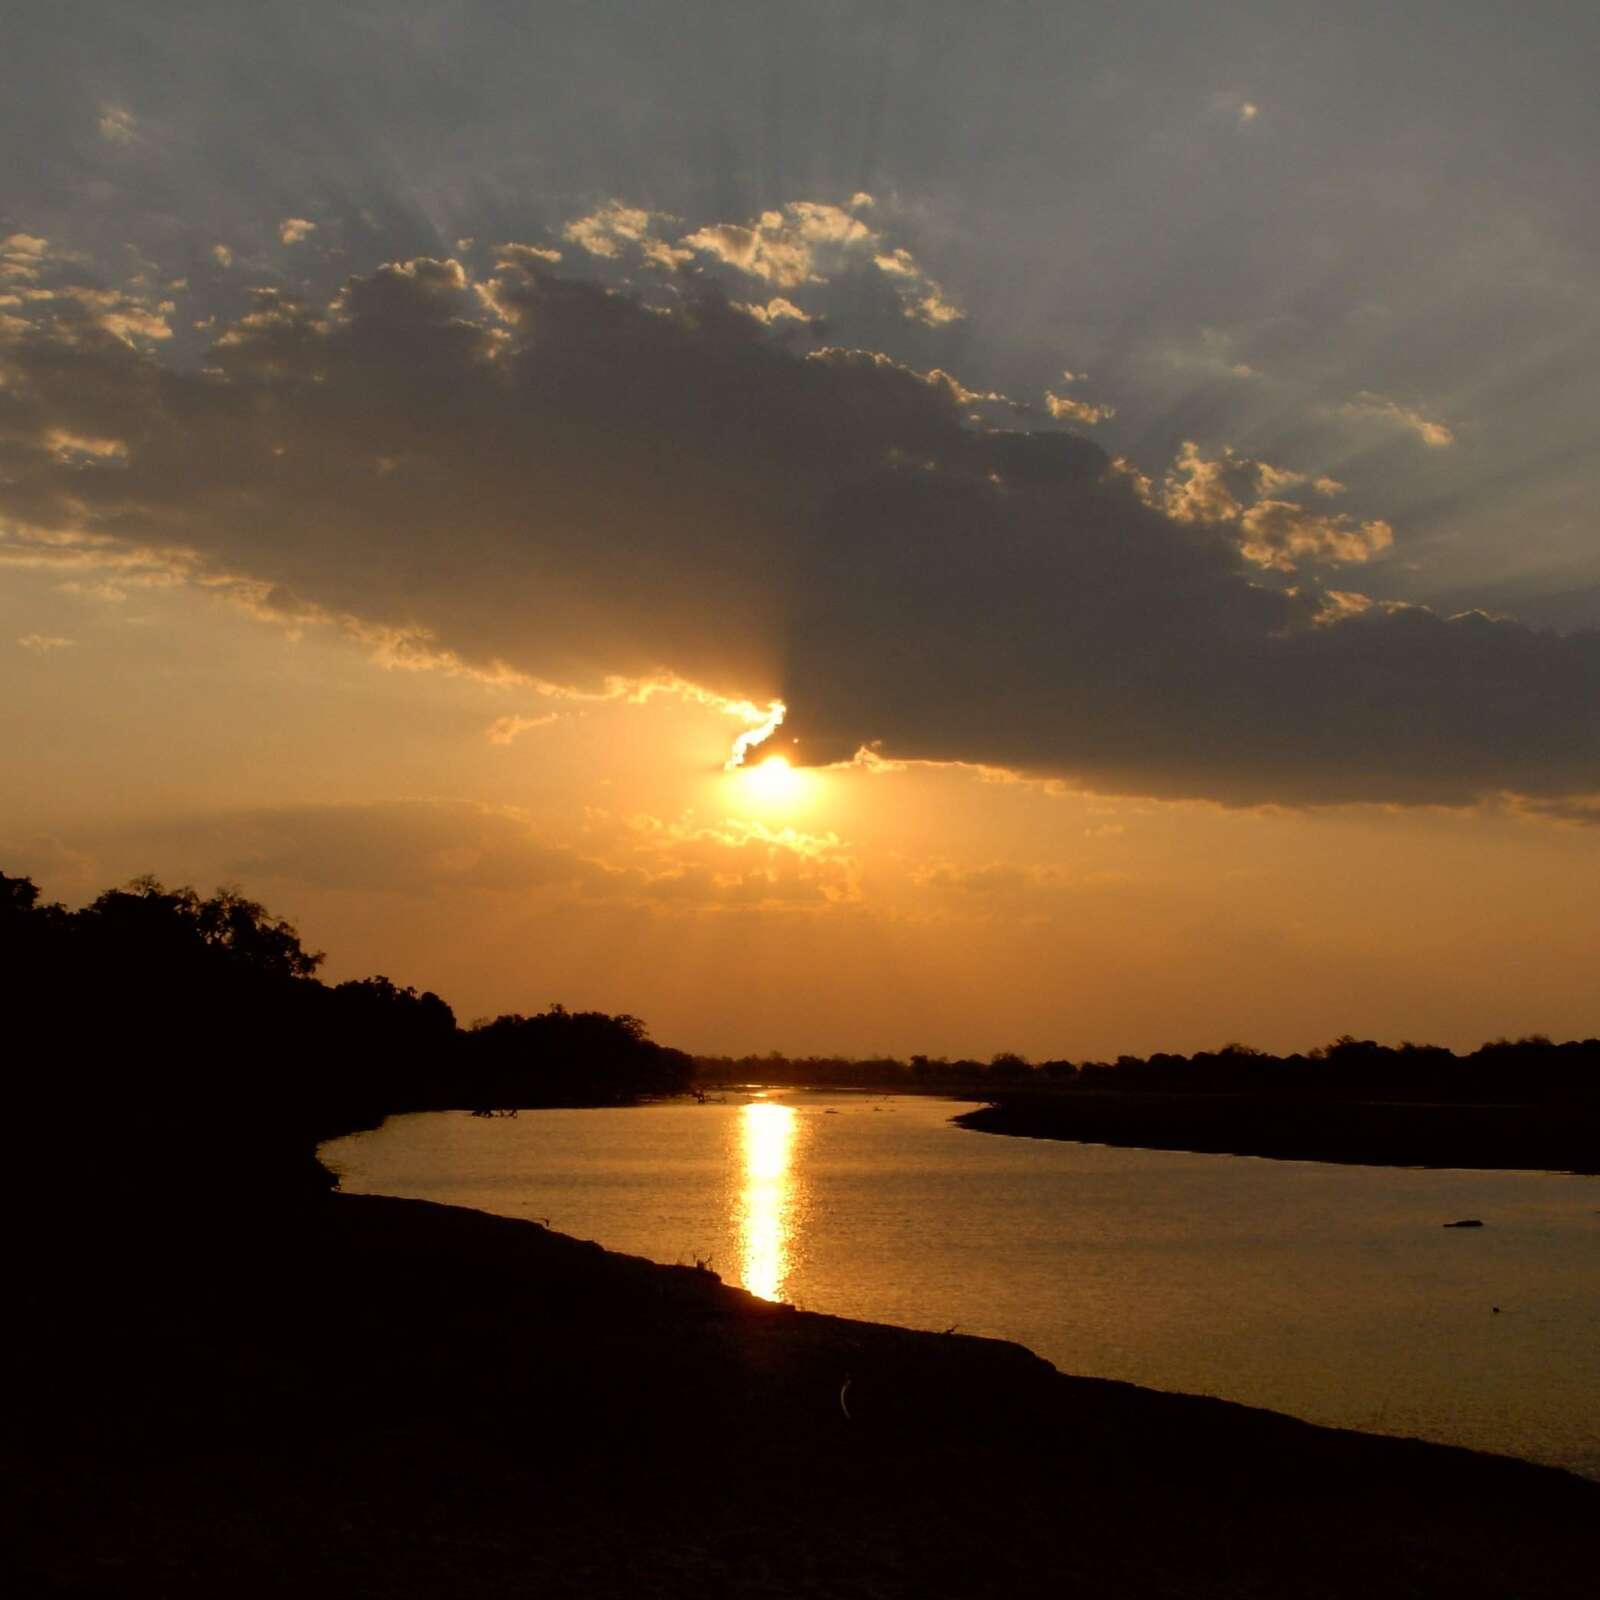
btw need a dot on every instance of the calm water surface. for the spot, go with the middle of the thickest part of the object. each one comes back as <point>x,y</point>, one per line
<point>1330,1292</point>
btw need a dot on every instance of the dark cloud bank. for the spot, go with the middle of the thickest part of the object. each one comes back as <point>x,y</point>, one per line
<point>569,482</point>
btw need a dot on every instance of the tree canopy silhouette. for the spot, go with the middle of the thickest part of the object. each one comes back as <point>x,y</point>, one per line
<point>157,1023</point>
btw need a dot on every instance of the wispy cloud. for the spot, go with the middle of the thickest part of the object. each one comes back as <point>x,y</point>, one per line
<point>1369,407</point>
<point>1073,410</point>
<point>506,730</point>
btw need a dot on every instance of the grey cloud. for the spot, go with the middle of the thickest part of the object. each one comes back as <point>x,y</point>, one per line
<point>1581,810</point>
<point>1077,170</point>
<point>574,484</point>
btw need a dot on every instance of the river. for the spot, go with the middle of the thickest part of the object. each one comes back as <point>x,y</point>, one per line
<point>1334,1293</point>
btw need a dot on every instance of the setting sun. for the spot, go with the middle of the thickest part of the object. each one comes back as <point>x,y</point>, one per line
<point>775,784</point>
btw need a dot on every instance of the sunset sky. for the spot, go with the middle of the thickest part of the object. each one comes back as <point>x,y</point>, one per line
<point>1145,452</point>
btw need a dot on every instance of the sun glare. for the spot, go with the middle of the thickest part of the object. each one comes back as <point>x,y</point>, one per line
<point>774,785</point>
<point>774,780</point>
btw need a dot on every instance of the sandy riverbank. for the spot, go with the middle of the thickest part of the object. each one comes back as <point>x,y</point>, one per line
<point>389,1398</point>
<point>1529,1138</point>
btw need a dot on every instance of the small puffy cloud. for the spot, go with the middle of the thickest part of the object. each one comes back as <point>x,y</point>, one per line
<point>295,230</point>
<point>51,302</point>
<point>785,247</point>
<point>1369,407</point>
<point>608,231</point>
<point>117,125</point>
<point>776,310</point>
<point>124,316</point>
<point>896,264</point>
<point>930,306</point>
<point>1235,107</point>
<point>603,232</point>
<point>1246,496</point>
<point>1284,535</point>
<point>1340,604</point>
<point>808,241</point>
<point>961,394</point>
<point>22,257</point>
<point>75,448</point>
<point>1064,406</point>
<point>43,643</point>
<point>521,254</point>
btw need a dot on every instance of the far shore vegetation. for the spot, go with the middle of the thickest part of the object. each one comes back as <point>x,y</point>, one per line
<point>1518,1070</point>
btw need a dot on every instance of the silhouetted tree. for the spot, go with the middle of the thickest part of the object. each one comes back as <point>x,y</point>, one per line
<point>562,1057</point>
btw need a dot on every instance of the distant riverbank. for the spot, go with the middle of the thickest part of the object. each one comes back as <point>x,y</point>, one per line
<point>1551,1138</point>
<point>392,1397</point>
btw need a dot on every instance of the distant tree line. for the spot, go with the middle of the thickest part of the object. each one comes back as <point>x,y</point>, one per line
<point>165,1039</point>
<point>162,1037</point>
<point>1529,1070</point>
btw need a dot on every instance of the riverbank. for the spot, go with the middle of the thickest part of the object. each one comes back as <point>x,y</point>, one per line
<point>386,1397</point>
<point>1563,1137</point>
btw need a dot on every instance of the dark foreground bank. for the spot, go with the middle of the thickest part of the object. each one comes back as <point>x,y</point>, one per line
<point>1542,1138</point>
<point>390,1398</point>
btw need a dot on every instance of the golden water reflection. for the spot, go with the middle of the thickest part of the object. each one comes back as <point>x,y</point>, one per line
<point>766,1197</point>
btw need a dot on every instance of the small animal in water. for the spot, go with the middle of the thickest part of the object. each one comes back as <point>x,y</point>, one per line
<point>1465,1222</point>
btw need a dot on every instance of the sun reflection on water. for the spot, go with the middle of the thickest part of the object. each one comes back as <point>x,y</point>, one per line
<point>766,1197</point>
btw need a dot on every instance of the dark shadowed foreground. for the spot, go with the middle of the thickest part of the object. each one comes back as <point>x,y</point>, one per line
<point>390,1398</point>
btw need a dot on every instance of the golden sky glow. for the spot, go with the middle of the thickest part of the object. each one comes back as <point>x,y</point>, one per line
<point>604,858</point>
<point>835,607</point>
